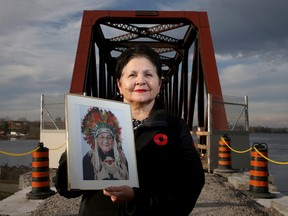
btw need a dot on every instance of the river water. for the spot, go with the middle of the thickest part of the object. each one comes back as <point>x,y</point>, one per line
<point>277,151</point>
<point>17,147</point>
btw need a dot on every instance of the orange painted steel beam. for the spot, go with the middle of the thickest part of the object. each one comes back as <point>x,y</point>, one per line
<point>150,27</point>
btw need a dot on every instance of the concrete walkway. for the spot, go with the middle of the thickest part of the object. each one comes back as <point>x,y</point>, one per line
<point>18,204</point>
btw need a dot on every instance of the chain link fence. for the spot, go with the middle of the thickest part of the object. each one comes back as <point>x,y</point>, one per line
<point>235,114</point>
<point>53,112</point>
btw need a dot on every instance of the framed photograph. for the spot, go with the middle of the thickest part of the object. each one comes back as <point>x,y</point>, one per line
<point>100,143</point>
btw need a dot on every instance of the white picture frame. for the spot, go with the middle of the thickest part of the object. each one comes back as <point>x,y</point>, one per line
<point>80,144</point>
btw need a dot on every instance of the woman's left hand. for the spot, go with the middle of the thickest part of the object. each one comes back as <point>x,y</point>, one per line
<point>122,193</point>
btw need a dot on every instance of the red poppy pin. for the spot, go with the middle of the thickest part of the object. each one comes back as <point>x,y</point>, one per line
<point>161,139</point>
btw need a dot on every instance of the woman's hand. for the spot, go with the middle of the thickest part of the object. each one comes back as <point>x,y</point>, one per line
<point>122,193</point>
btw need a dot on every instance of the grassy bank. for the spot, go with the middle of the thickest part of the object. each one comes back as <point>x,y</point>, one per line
<point>4,195</point>
<point>10,175</point>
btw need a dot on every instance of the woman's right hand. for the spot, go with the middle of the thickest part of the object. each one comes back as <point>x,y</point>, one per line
<point>122,193</point>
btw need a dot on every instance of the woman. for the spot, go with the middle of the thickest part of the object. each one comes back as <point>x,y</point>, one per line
<point>106,159</point>
<point>170,172</point>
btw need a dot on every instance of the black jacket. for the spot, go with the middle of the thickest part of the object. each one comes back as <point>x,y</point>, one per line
<point>170,172</point>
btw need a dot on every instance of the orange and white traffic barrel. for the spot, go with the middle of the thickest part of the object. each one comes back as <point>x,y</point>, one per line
<point>258,184</point>
<point>40,174</point>
<point>224,155</point>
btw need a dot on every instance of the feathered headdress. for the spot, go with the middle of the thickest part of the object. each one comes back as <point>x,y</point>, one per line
<point>97,121</point>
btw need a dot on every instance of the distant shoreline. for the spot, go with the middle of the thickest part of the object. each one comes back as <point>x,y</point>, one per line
<point>19,138</point>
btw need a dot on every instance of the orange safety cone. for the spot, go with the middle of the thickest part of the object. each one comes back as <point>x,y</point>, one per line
<point>224,156</point>
<point>259,186</point>
<point>40,174</point>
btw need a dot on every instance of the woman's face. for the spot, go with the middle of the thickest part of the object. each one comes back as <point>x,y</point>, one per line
<point>105,141</point>
<point>139,82</point>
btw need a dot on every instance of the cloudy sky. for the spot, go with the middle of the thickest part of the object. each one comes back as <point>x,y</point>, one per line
<point>39,38</point>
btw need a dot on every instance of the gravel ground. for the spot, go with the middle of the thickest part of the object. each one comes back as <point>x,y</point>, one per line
<point>218,197</point>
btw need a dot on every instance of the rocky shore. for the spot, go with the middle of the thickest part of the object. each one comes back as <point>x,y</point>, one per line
<point>217,198</point>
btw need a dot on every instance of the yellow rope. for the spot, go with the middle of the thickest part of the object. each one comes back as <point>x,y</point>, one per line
<point>240,152</point>
<point>27,153</point>
<point>58,147</point>
<point>273,161</point>
<point>19,154</point>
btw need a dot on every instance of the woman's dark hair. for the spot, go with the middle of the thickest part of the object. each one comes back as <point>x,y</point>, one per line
<point>139,51</point>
